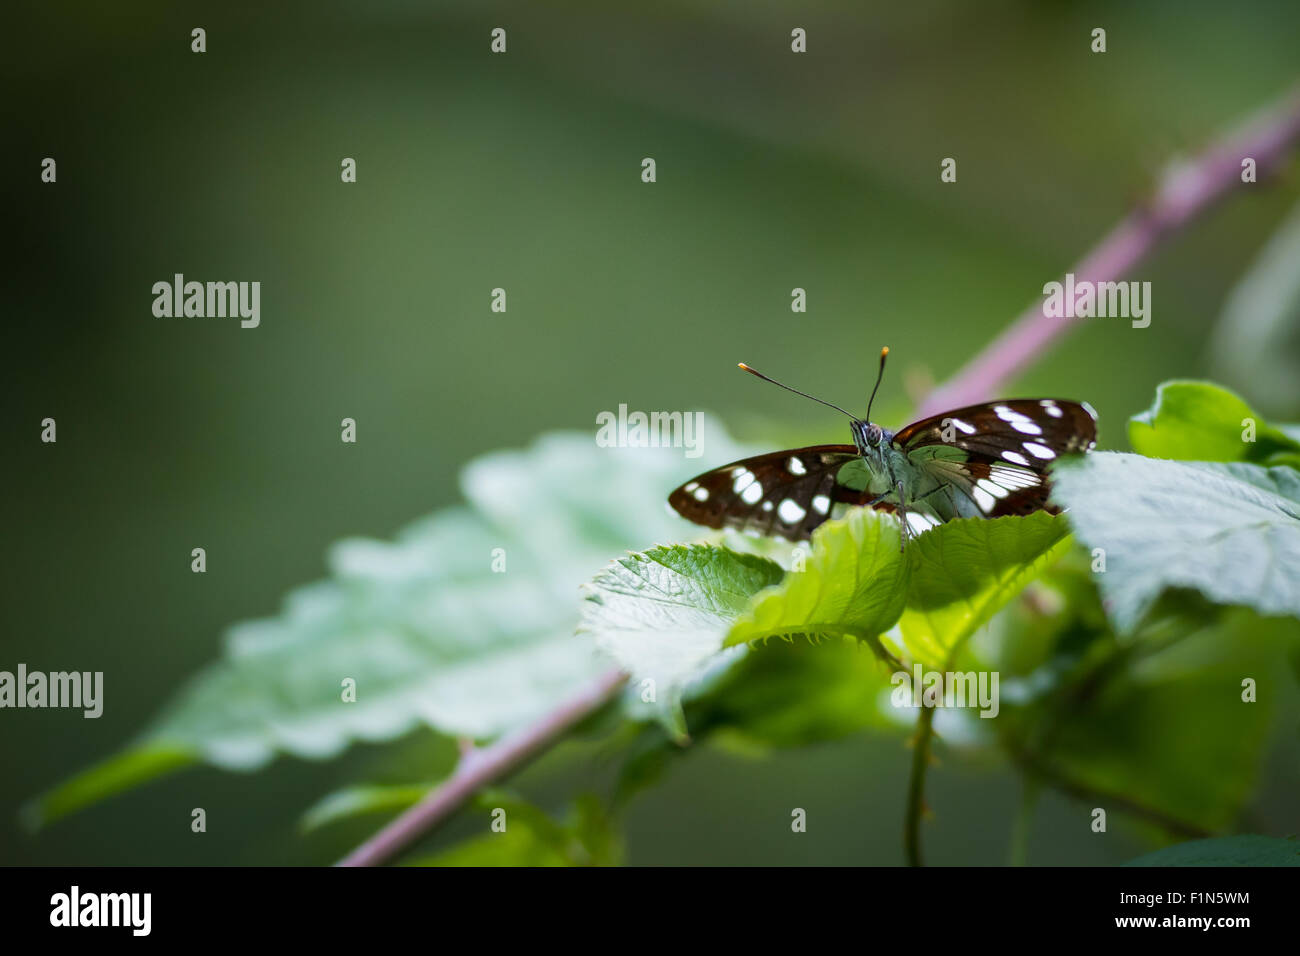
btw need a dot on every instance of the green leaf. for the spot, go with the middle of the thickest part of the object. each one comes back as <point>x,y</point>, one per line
<point>362,799</point>
<point>663,615</point>
<point>1228,531</point>
<point>1244,850</point>
<point>1200,421</point>
<point>965,570</point>
<point>791,694</point>
<point>853,584</point>
<point>114,775</point>
<point>531,838</point>
<point>424,625</point>
<point>667,614</point>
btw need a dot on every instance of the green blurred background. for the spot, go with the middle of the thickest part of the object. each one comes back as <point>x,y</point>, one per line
<point>522,171</point>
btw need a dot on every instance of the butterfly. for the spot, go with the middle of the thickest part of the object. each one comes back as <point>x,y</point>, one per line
<point>984,460</point>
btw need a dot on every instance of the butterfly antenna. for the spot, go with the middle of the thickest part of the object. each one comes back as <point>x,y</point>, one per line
<point>884,354</point>
<point>795,390</point>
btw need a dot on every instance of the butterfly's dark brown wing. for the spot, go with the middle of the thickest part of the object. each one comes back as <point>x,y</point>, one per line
<point>996,455</point>
<point>785,494</point>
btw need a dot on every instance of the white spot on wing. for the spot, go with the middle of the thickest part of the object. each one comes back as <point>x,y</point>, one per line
<point>744,478</point>
<point>1016,458</point>
<point>992,488</point>
<point>821,504</point>
<point>795,466</point>
<point>1052,408</point>
<point>1010,414</point>
<point>700,494</point>
<point>1026,427</point>
<point>790,512</point>
<point>921,522</point>
<point>982,498</point>
<point>968,428</point>
<point>753,491</point>
<point>1039,451</point>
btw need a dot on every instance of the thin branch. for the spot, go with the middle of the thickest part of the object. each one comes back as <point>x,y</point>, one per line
<point>1089,794</point>
<point>916,785</point>
<point>1023,826</point>
<point>1185,191</point>
<point>479,767</point>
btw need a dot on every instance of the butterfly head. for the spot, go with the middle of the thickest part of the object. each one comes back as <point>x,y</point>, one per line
<point>868,435</point>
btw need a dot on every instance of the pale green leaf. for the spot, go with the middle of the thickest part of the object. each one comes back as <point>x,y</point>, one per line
<point>663,614</point>
<point>463,623</point>
<point>1229,531</point>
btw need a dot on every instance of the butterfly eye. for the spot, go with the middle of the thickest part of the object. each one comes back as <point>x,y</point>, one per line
<point>875,434</point>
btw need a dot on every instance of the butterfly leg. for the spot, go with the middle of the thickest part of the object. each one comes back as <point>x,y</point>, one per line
<point>902,504</point>
<point>902,514</point>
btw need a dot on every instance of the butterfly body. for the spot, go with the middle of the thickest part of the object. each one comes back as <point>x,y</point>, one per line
<point>984,461</point>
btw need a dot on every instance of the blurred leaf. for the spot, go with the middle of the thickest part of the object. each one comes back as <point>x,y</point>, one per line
<point>1058,616</point>
<point>362,799</point>
<point>426,628</point>
<point>531,838</point>
<point>1200,421</point>
<point>964,571</point>
<point>663,614</point>
<point>1244,850</point>
<point>1256,343</point>
<point>795,693</point>
<point>783,694</point>
<point>103,780</point>
<point>1229,531</point>
<point>1136,740</point>
<point>1168,729</point>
